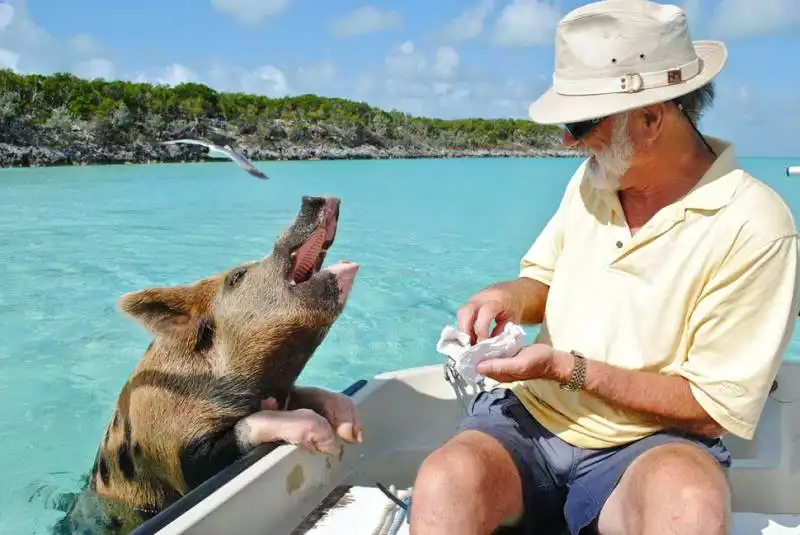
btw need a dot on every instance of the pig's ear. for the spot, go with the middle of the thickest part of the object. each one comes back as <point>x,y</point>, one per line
<point>159,310</point>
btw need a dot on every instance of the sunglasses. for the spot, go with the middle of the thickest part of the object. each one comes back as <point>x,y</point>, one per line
<point>581,128</point>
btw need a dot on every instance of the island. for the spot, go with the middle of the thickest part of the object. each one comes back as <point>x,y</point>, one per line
<point>60,119</point>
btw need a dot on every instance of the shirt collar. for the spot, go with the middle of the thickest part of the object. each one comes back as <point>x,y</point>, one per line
<point>718,185</point>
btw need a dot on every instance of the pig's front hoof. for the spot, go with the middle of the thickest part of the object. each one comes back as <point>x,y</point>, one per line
<point>341,412</point>
<point>308,430</point>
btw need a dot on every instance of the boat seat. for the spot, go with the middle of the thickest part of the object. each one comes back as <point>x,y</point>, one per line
<point>743,524</point>
<point>349,506</point>
<point>765,524</point>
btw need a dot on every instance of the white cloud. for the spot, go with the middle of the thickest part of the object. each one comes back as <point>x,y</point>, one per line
<point>527,23</point>
<point>264,80</point>
<point>314,76</point>
<point>740,19</point>
<point>250,11</point>
<point>364,20</point>
<point>35,48</point>
<point>9,60</point>
<point>6,15</point>
<point>85,45</point>
<point>447,60</point>
<point>95,68</point>
<point>405,61</point>
<point>435,83</point>
<point>172,75</point>
<point>26,47</point>
<point>469,23</point>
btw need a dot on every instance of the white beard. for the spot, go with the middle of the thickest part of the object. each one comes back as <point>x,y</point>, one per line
<point>608,166</point>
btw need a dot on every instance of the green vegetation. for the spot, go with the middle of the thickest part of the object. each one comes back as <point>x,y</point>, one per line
<point>63,119</point>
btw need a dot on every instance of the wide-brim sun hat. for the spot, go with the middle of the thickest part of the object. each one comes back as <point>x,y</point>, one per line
<point>616,55</point>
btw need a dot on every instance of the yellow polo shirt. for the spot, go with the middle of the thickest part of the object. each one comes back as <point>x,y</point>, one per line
<point>708,289</point>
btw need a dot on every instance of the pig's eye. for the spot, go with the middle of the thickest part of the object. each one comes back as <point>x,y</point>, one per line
<point>235,277</point>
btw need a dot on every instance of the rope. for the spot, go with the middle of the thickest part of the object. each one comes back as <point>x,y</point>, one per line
<point>394,512</point>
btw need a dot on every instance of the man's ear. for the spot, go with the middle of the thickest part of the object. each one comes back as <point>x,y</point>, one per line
<point>159,310</point>
<point>652,118</point>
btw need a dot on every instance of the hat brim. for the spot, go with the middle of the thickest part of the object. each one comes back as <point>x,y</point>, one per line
<point>553,108</point>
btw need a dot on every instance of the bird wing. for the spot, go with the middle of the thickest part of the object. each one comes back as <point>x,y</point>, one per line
<point>227,151</point>
<point>215,151</point>
<point>244,163</point>
<point>191,142</point>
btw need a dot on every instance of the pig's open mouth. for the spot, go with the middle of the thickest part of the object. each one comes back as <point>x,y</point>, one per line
<point>307,259</point>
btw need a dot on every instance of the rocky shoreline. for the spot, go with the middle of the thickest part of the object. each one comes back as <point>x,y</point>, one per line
<point>145,153</point>
<point>60,120</point>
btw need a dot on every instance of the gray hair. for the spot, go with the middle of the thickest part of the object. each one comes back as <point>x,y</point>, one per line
<point>697,102</point>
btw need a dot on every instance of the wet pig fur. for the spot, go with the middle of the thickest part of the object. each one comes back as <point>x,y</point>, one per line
<point>218,379</point>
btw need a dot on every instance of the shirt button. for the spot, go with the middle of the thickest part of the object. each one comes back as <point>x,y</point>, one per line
<point>619,244</point>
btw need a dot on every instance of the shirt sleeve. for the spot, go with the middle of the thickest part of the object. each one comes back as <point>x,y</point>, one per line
<point>539,262</point>
<point>739,330</point>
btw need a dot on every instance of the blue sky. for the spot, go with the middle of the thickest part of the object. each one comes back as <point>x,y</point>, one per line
<point>445,58</point>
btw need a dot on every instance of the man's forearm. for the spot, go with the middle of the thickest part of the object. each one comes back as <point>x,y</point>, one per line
<point>665,399</point>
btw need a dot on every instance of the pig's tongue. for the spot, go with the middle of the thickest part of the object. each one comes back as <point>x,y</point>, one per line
<point>307,255</point>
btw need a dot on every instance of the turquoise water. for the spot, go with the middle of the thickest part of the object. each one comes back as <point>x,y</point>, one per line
<point>427,233</point>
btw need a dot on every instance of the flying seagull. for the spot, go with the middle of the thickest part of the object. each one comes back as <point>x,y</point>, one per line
<point>215,151</point>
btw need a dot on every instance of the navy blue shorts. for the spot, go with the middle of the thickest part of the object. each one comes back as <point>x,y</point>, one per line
<point>562,486</point>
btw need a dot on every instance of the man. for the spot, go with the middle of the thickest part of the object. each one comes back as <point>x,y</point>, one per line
<point>666,286</point>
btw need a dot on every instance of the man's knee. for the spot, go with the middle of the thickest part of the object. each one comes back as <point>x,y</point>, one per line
<point>472,474</point>
<point>690,470</point>
<point>672,488</point>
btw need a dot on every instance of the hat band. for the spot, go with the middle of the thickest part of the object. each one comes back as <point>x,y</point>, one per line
<point>627,83</point>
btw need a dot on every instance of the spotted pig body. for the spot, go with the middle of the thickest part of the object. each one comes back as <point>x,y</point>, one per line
<point>218,378</point>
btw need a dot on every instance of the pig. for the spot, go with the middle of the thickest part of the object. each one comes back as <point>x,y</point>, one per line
<point>218,378</point>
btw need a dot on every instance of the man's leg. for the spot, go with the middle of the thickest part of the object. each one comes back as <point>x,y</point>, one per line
<point>663,484</point>
<point>469,485</point>
<point>493,472</point>
<point>674,488</point>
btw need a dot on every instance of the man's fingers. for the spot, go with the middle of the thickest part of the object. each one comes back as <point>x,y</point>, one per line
<point>486,314</point>
<point>488,366</point>
<point>500,324</point>
<point>499,369</point>
<point>465,318</point>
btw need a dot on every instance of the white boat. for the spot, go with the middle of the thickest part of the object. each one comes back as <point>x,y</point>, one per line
<point>793,170</point>
<point>405,415</point>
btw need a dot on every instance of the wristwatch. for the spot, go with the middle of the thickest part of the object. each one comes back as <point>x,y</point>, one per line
<point>578,376</point>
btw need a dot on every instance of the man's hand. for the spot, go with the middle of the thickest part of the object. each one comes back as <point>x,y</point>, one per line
<point>518,301</point>
<point>532,362</point>
<point>477,315</point>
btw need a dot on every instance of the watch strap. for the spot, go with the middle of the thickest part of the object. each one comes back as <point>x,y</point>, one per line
<point>578,376</point>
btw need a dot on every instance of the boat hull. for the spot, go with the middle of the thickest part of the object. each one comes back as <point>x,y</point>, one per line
<point>274,489</point>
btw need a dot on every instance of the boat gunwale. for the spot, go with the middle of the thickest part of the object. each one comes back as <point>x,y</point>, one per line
<point>221,478</point>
